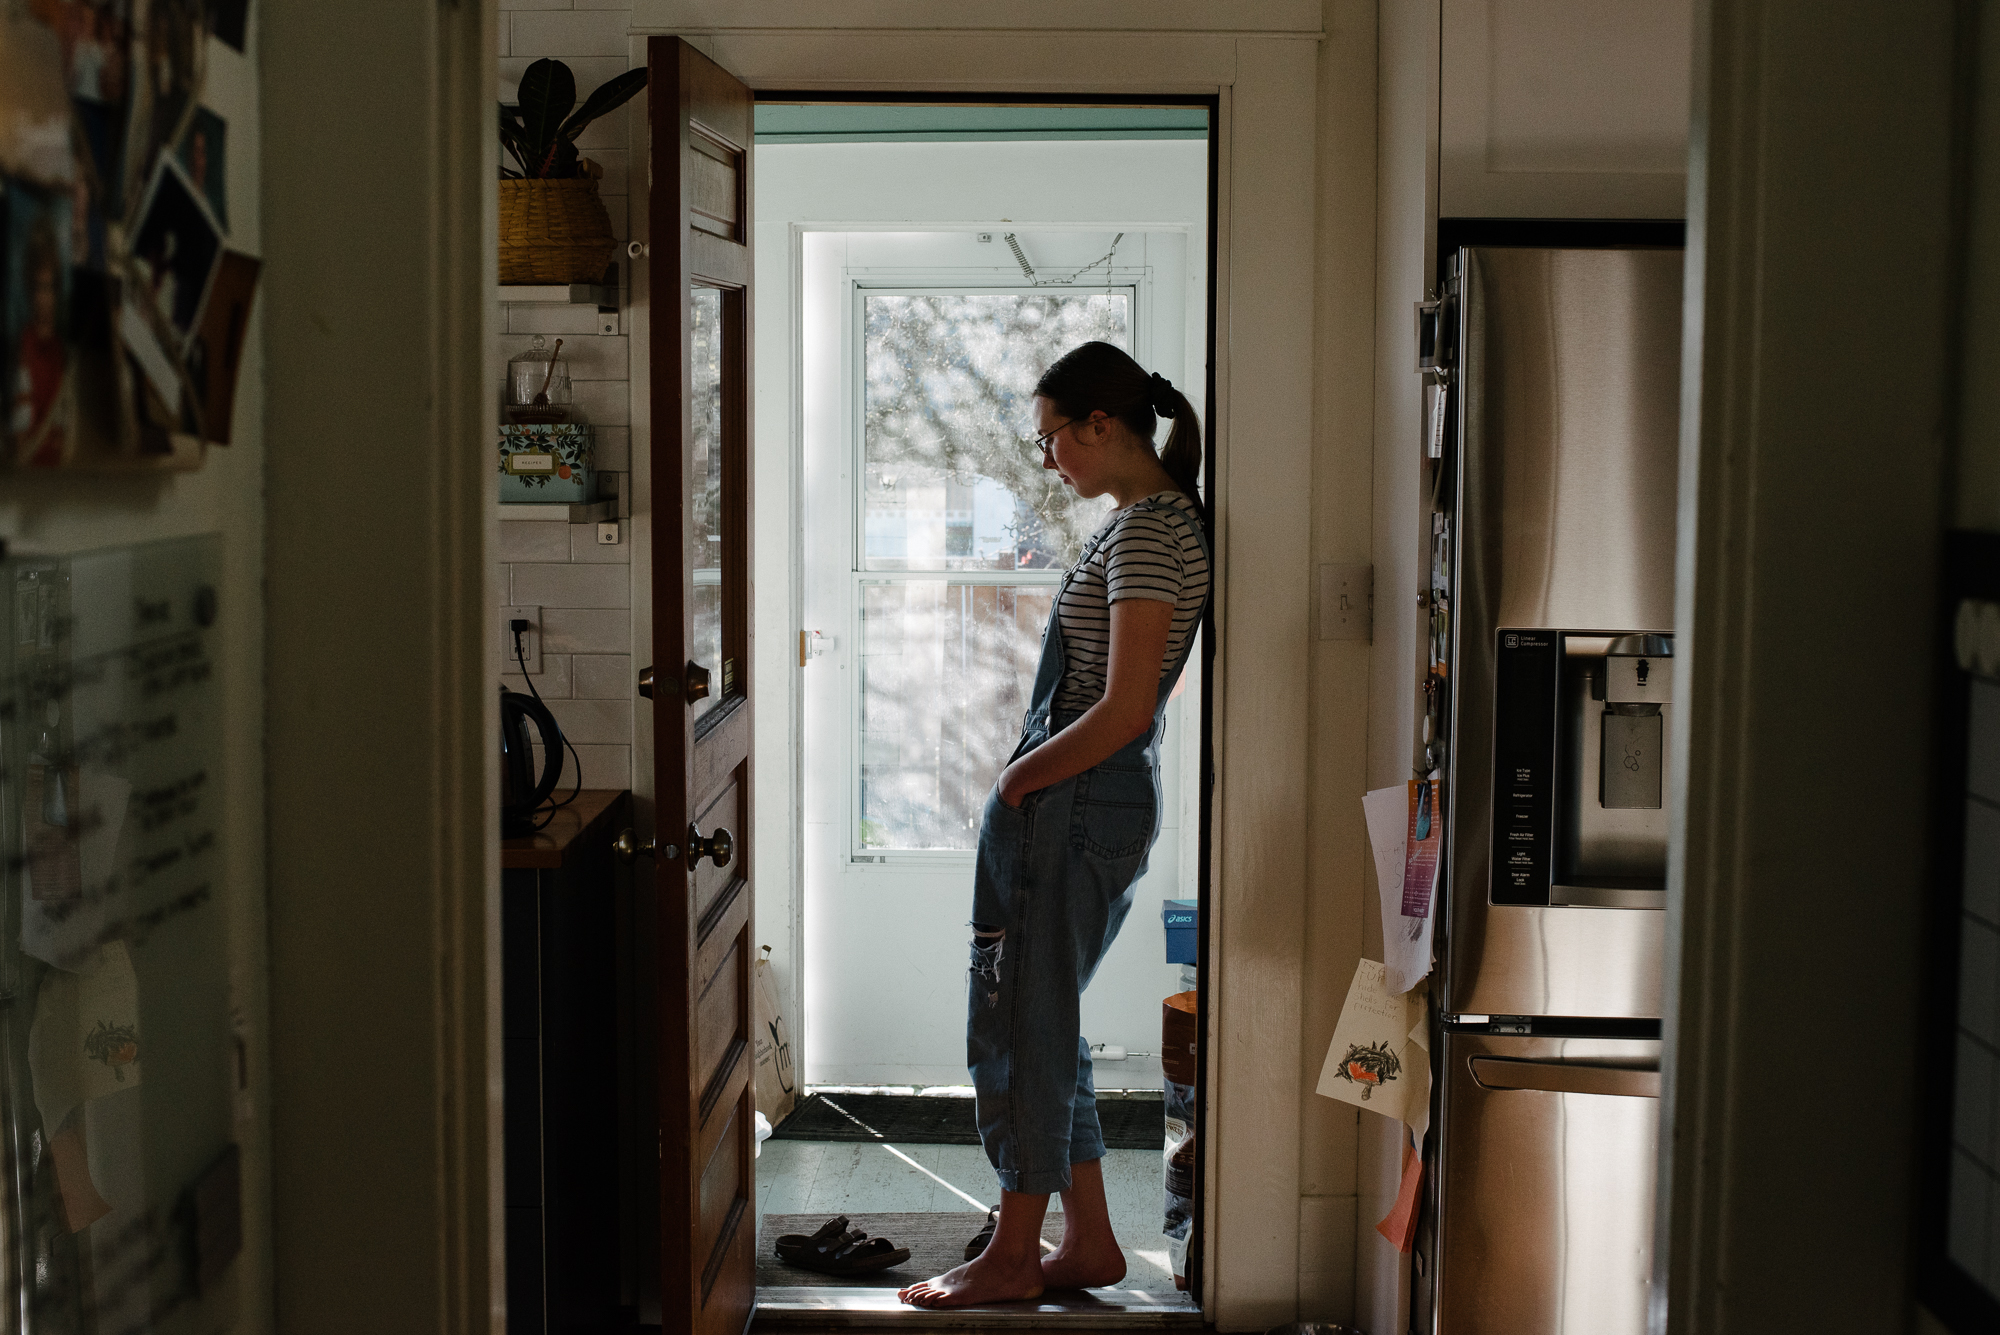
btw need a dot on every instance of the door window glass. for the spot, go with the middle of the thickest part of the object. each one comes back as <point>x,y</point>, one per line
<point>706,549</point>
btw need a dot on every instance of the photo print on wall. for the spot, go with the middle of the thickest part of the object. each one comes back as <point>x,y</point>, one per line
<point>114,236</point>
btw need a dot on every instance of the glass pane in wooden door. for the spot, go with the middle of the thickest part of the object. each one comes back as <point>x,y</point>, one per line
<point>707,552</point>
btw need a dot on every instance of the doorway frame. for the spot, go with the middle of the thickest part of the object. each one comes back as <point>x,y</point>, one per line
<point>1263,75</point>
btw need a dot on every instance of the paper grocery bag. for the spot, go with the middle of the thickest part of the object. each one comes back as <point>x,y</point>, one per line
<point>777,1086</point>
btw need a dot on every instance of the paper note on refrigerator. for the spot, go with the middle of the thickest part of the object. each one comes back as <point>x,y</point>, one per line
<point>1371,1062</point>
<point>1406,940</point>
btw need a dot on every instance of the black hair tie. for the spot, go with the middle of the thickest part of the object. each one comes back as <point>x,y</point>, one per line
<point>1164,396</point>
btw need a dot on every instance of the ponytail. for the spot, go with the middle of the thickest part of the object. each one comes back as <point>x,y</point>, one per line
<point>1094,376</point>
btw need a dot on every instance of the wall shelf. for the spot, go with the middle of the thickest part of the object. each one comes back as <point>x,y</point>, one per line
<point>592,512</point>
<point>603,295</point>
<point>558,294</point>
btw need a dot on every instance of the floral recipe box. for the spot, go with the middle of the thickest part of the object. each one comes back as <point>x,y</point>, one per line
<point>546,464</point>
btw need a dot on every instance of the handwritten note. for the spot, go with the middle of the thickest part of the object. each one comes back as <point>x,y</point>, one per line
<point>1406,940</point>
<point>1371,1062</point>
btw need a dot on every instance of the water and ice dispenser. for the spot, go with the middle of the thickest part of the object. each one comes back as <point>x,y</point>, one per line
<point>1579,768</point>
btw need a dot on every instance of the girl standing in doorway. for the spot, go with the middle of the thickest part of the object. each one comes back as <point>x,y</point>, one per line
<point>1068,828</point>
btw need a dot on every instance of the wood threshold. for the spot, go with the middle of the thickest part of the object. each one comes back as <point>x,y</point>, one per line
<point>855,1310</point>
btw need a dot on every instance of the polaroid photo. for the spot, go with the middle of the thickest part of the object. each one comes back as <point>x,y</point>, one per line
<point>202,151</point>
<point>216,351</point>
<point>175,252</point>
<point>35,353</point>
<point>230,20</point>
<point>34,103</point>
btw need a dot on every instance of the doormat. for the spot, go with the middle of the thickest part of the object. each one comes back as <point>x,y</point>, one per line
<point>936,1243</point>
<point>916,1119</point>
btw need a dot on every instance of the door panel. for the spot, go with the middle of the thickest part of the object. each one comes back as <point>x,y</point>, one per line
<point>700,375</point>
<point>1546,1216</point>
<point>710,880</point>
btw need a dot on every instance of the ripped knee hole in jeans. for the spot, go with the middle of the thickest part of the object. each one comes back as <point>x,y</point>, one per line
<point>989,945</point>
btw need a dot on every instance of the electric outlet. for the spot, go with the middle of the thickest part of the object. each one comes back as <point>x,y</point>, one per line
<point>531,639</point>
<point>607,533</point>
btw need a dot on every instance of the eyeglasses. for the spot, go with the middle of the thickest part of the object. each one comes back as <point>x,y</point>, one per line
<point>1047,439</point>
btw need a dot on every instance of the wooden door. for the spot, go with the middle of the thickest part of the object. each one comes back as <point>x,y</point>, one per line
<point>699,243</point>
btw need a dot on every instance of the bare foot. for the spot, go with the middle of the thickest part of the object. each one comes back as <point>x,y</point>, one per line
<point>1084,1263</point>
<point>984,1279</point>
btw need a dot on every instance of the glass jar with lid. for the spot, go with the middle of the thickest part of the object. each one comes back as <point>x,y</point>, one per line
<point>538,384</point>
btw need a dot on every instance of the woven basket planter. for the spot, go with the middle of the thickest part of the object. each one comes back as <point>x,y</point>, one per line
<point>554,231</point>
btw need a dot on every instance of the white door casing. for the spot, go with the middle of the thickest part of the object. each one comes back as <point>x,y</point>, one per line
<point>1262,69</point>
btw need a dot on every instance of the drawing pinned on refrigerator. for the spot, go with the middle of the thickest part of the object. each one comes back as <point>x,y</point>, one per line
<point>1371,1063</point>
<point>1406,938</point>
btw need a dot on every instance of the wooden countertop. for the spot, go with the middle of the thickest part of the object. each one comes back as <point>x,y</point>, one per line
<point>545,847</point>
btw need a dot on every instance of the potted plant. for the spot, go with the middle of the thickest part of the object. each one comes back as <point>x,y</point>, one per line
<point>553,227</point>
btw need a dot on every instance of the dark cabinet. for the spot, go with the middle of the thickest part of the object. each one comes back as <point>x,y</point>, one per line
<point>566,969</point>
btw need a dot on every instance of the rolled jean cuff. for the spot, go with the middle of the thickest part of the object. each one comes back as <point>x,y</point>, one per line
<point>1042,1182</point>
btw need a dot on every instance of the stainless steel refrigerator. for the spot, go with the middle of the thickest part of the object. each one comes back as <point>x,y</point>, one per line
<point>1560,607</point>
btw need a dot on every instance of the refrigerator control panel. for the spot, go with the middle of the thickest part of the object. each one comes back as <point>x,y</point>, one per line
<point>1524,762</point>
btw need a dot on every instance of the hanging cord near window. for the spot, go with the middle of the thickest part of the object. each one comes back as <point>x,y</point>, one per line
<point>1021,258</point>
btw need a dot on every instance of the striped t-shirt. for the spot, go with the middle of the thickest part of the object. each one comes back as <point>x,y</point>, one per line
<point>1148,550</point>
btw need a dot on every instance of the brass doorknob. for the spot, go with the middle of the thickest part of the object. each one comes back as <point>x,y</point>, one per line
<point>718,846</point>
<point>630,849</point>
<point>646,682</point>
<point>697,682</point>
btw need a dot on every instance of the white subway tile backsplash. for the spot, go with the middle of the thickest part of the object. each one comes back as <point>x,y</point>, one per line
<point>603,4</point>
<point>566,321</point>
<point>603,767</point>
<point>595,722</point>
<point>602,402</point>
<point>1979,979</point>
<point>534,4</point>
<point>611,448</point>
<point>533,540</point>
<point>582,587</point>
<point>555,681</point>
<point>612,183</point>
<point>575,33</point>
<point>605,677</point>
<point>589,71</point>
<point>620,228</point>
<point>570,587</point>
<point>605,132</point>
<point>591,357</point>
<point>585,549</point>
<point>574,630</point>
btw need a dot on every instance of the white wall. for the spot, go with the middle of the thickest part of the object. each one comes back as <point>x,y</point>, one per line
<point>880,998</point>
<point>1563,108</point>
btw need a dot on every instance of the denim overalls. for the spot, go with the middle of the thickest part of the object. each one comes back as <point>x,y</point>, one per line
<point>1051,887</point>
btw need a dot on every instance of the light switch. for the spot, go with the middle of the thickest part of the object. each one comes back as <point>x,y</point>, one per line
<point>1346,603</point>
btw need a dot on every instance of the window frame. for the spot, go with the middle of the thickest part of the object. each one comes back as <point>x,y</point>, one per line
<point>1132,281</point>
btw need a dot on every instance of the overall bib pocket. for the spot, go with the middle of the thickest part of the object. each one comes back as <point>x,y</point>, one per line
<point>1115,813</point>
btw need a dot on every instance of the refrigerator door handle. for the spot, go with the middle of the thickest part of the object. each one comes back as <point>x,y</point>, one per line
<point>1545,1077</point>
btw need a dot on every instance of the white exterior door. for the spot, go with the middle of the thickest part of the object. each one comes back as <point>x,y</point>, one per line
<point>933,544</point>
